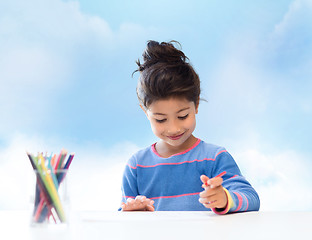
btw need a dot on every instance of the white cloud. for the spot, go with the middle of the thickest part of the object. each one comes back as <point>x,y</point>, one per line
<point>290,44</point>
<point>255,73</point>
<point>239,95</point>
<point>241,82</point>
<point>38,50</point>
<point>38,43</point>
<point>259,80</point>
<point>94,178</point>
<point>282,179</point>
<point>299,14</point>
<point>43,46</point>
<point>46,48</point>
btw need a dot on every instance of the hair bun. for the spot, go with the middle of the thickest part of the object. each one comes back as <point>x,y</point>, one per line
<point>164,52</point>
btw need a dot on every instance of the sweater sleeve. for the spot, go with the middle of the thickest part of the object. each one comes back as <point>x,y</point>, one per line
<point>241,195</point>
<point>129,186</point>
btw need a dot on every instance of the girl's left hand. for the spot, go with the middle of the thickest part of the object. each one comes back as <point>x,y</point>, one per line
<point>214,195</point>
<point>140,203</point>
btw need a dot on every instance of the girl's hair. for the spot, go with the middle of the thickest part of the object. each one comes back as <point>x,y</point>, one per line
<point>164,73</point>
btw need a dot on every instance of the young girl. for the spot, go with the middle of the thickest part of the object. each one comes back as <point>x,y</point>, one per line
<point>179,172</point>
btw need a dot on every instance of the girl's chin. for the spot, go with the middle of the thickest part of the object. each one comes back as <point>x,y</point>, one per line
<point>176,143</point>
<point>184,141</point>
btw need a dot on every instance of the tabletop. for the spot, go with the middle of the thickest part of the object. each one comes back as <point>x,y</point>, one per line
<point>161,225</point>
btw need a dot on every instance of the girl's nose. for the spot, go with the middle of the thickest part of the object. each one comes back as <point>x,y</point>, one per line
<point>173,128</point>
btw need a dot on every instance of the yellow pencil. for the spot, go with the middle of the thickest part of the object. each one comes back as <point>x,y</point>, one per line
<point>52,190</point>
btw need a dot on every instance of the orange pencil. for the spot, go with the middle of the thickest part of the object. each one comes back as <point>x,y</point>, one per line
<point>53,160</point>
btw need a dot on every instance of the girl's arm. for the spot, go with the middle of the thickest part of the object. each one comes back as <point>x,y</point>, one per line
<point>131,201</point>
<point>241,196</point>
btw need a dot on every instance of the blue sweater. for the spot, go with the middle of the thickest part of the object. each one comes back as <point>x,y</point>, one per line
<point>174,183</point>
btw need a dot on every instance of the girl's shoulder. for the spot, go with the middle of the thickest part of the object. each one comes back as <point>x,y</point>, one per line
<point>145,153</point>
<point>211,150</point>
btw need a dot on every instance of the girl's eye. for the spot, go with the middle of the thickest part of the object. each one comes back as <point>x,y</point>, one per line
<point>160,120</point>
<point>183,117</point>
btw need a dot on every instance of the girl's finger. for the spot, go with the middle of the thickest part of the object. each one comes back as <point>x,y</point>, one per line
<point>215,182</point>
<point>125,207</point>
<point>150,208</point>
<point>140,198</point>
<point>204,179</point>
<point>211,205</point>
<point>208,192</point>
<point>208,200</point>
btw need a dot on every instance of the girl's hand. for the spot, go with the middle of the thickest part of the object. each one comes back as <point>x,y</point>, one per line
<point>214,195</point>
<point>140,203</point>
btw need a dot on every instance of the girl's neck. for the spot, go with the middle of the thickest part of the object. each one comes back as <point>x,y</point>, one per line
<point>166,150</point>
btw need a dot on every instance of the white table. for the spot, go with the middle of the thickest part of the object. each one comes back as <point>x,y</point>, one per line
<point>162,225</point>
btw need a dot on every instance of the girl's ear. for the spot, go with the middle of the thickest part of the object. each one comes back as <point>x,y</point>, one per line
<point>196,106</point>
<point>143,110</point>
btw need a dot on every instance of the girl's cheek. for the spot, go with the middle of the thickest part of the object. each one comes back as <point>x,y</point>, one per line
<point>190,123</point>
<point>155,128</point>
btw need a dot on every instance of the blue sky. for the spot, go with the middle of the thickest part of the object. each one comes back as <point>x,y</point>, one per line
<point>65,74</point>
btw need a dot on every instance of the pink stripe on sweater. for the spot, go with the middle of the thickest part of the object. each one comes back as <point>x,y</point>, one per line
<point>128,197</point>
<point>187,150</point>
<point>159,164</point>
<point>178,163</point>
<point>176,196</point>
<point>234,176</point>
<point>220,153</point>
<point>246,201</point>
<point>240,201</point>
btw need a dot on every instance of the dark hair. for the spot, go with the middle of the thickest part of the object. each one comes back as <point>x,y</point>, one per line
<point>164,73</point>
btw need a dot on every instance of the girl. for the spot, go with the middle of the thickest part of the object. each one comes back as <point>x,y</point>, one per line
<point>172,173</point>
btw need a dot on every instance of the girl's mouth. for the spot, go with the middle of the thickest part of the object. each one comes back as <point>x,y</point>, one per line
<point>175,137</point>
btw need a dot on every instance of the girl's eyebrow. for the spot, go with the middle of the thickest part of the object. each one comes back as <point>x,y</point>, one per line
<point>181,110</point>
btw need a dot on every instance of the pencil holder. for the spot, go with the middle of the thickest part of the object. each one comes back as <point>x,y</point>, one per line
<point>51,200</point>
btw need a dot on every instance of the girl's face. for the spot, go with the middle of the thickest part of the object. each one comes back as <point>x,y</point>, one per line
<point>173,120</point>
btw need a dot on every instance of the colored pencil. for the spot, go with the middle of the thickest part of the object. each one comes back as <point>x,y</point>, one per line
<point>49,175</point>
<point>47,179</point>
<point>219,175</point>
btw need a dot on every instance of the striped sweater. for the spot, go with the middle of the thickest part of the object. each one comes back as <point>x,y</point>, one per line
<point>174,183</point>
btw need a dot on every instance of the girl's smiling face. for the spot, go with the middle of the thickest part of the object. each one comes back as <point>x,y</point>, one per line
<point>173,121</point>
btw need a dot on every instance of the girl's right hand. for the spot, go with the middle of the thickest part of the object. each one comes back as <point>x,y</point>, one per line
<point>140,203</point>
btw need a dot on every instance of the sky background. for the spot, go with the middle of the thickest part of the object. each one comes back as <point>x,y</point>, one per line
<point>65,82</point>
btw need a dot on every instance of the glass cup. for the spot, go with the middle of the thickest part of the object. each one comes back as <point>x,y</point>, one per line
<point>51,200</point>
